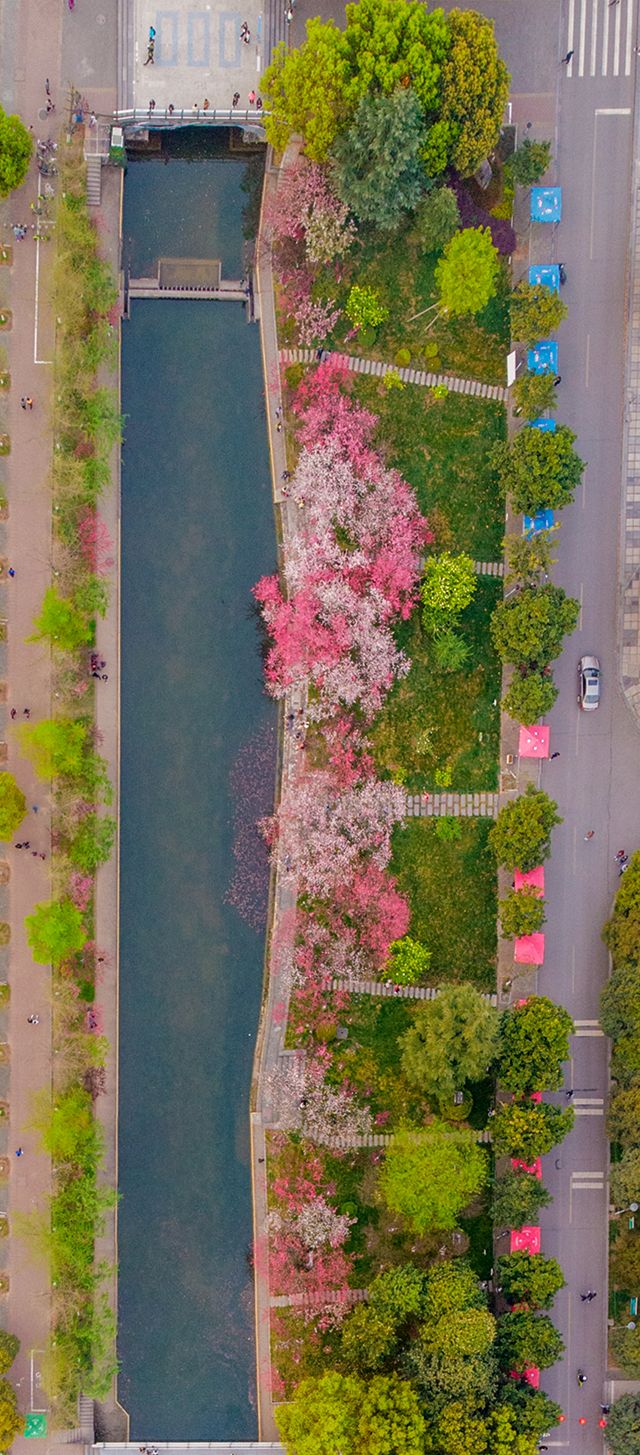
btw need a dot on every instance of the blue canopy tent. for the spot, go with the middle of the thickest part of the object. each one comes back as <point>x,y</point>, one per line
<point>533,524</point>
<point>545,275</point>
<point>546,204</point>
<point>543,359</point>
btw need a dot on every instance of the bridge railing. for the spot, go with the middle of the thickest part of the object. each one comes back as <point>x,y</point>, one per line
<point>139,118</point>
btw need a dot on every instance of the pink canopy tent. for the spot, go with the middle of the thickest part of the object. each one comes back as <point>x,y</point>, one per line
<point>525,1240</point>
<point>533,742</point>
<point>535,1167</point>
<point>529,949</point>
<point>535,878</point>
<point>531,1375</point>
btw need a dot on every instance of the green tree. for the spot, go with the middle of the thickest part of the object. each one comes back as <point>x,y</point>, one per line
<point>459,1432</point>
<point>530,696</point>
<point>322,1417</point>
<point>450,651</point>
<point>531,626</point>
<point>408,962</point>
<point>16,146</point>
<point>517,1198</point>
<point>520,837</point>
<point>536,312</point>
<point>390,44</point>
<point>363,307</point>
<point>530,162</point>
<point>55,931</point>
<point>377,165</point>
<point>449,584</point>
<point>13,806</point>
<point>623,1425</point>
<point>533,393</point>
<point>625,1348</point>
<point>475,86</point>
<point>428,1177</point>
<point>93,843</point>
<point>529,1278</point>
<point>305,90</point>
<point>61,623</point>
<point>390,1418</point>
<point>623,1121</point>
<point>55,746</point>
<point>534,1041</point>
<point>624,1179</point>
<point>11,1421</point>
<point>438,219</point>
<point>466,275</point>
<point>9,1349</point>
<point>526,1339</point>
<point>521,913</point>
<point>622,932</point>
<point>372,1332</point>
<point>451,1040</point>
<point>539,470</point>
<point>625,1260</point>
<point>533,1410</point>
<point>531,557</point>
<point>529,1129</point>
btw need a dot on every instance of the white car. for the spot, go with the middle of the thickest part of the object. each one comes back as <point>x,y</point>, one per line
<point>589,682</point>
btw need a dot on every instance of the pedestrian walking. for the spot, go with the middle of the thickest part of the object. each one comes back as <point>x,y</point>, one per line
<point>590,834</point>
<point>33,1020</point>
<point>554,755</point>
<point>565,59</point>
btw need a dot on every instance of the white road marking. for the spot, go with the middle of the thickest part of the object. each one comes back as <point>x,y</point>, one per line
<point>594,36</point>
<point>570,35</point>
<point>616,39</point>
<point>583,33</point>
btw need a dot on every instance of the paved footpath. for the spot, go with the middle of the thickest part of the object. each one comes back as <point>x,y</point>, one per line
<point>33,32</point>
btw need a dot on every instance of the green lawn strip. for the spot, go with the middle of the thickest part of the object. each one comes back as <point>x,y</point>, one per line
<point>441,446</point>
<point>403,277</point>
<point>451,888</point>
<point>442,728</point>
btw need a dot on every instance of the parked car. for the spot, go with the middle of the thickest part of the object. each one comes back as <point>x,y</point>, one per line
<point>589,683</point>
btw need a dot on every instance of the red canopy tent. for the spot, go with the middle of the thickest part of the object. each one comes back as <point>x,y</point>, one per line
<point>529,949</point>
<point>525,1240</point>
<point>535,878</point>
<point>533,742</point>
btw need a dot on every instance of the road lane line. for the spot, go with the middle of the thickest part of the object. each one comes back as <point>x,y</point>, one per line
<point>583,32</point>
<point>605,38</point>
<point>594,35</point>
<point>616,39</point>
<point>570,35</point>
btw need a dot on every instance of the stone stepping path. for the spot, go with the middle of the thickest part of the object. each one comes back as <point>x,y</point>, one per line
<point>453,805</point>
<point>408,376</point>
<point>380,1139</point>
<point>381,988</point>
<point>489,568</point>
<point>321,1296</point>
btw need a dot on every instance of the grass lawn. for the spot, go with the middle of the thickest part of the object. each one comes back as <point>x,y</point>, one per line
<point>403,278</point>
<point>434,721</point>
<point>452,890</point>
<point>369,1059</point>
<point>441,447</point>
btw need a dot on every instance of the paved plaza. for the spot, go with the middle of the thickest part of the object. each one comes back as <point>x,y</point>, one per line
<point>199,55</point>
